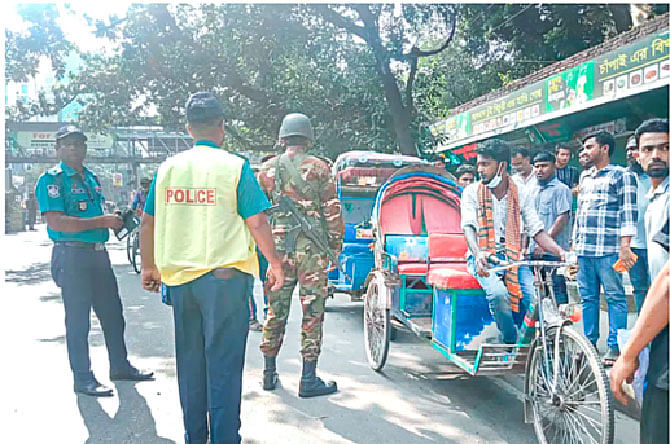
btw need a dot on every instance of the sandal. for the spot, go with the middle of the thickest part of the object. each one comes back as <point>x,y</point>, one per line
<point>610,357</point>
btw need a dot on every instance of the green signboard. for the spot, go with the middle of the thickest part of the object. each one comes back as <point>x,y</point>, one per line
<point>517,107</point>
<point>644,62</point>
<point>638,66</point>
<point>570,87</point>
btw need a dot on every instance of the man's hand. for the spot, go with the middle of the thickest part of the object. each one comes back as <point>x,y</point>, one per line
<point>482,263</point>
<point>622,370</point>
<point>538,252</point>
<point>275,275</point>
<point>626,257</point>
<point>151,279</point>
<point>111,221</point>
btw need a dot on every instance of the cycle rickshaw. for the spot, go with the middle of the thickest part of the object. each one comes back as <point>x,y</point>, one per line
<point>358,175</point>
<point>421,280</point>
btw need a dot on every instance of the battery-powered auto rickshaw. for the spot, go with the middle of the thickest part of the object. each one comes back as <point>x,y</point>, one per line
<point>358,175</point>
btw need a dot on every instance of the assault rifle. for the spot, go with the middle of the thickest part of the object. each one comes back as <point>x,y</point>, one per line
<point>307,228</point>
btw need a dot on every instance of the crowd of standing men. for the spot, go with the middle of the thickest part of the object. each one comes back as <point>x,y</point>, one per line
<point>620,225</point>
<point>205,225</point>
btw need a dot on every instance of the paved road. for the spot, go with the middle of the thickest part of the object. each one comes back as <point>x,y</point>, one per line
<point>417,399</point>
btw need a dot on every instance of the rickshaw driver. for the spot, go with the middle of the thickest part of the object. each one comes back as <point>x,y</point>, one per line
<point>492,212</point>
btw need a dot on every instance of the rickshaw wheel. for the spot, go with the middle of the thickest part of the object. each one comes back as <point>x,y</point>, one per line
<point>376,328</point>
<point>580,408</point>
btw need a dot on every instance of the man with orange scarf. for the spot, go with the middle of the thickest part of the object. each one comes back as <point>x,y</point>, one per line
<point>492,212</point>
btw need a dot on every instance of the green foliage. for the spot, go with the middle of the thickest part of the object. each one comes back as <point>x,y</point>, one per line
<point>354,69</point>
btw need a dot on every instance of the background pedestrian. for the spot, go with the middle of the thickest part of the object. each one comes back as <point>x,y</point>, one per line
<point>605,221</point>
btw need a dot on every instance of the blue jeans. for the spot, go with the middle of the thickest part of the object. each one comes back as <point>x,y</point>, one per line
<point>639,277</point>
<point>497,297</point>
<point>211,324</point>
<point>594,272</point>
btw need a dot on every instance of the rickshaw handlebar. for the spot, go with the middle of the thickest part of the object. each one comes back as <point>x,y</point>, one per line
<point>501,264</point>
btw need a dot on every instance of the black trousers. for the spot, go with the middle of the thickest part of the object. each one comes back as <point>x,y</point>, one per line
<point>211,324</point>
<point>654,423</point>
<point>87,281</point>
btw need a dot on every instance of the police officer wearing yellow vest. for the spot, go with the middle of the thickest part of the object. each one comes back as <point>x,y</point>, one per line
<point>203,216</point>
<point>70,197</point>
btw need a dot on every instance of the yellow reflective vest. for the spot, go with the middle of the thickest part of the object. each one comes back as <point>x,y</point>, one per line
<point>197,227</point>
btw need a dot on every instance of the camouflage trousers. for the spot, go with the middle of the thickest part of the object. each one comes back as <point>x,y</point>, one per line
<point>308,269</point>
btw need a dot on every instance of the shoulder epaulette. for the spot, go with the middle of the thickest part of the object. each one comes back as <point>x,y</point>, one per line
<point>54,171</point>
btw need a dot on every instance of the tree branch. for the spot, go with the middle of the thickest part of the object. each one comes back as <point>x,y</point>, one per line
<point>338,21</point>
<point>420,53</point>
<point>414,55</point>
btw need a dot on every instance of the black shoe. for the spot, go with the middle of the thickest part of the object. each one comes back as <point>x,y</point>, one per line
<point>270,376</point>
<point>310,385</point>
<point>610,357</point>
<point>131,374</point>
<point>92,388</point>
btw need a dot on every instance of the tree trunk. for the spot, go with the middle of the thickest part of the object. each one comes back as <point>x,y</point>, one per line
<point>399,112</point>
<point>622,17</point>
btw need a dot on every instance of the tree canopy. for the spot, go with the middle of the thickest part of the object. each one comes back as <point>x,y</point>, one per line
<point>368,75</point>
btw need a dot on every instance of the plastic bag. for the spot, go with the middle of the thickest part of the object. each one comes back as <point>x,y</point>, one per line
<point>641,373</point>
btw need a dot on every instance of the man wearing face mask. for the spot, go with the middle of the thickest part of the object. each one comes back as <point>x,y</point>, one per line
<point>491,214</point>
<point>638,273</point>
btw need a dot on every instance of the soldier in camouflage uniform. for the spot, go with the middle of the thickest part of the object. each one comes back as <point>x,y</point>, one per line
<point>307,181</point>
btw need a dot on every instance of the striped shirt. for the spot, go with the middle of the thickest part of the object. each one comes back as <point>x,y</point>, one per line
<point>606,211</point>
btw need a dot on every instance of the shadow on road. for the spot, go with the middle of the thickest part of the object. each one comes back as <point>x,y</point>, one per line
<point>34,274</point>
<point>132,423</point>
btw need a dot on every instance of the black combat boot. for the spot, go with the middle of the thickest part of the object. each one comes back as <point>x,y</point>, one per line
<point>310,385</point>
<point>270,373</point>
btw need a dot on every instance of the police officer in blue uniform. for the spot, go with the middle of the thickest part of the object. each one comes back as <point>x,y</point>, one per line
<point>70,197</point>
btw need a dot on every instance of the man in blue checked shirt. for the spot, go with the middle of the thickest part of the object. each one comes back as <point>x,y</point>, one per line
<point>605,221</point>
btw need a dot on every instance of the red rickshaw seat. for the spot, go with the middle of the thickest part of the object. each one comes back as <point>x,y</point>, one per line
<point>413,268</point>
<point>453,275</point>
<point>446,246</point>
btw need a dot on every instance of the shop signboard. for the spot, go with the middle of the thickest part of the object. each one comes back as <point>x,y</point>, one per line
<point>453,127</point>
<point>571,87</point>
<point>118,180</point>
<point>513,109</point>
<point>643,63</point>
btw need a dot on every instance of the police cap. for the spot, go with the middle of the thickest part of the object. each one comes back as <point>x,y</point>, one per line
<point>70,130</point>
<point>203,106</point>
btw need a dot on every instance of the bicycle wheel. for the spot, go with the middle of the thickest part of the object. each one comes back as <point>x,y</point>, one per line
<point>129,248</point>
<point>376,328</point>
<point>135,257</point>
<point>578,409</point>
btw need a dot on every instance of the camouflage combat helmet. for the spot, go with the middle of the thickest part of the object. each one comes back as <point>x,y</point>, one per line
<point>296,125</point>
